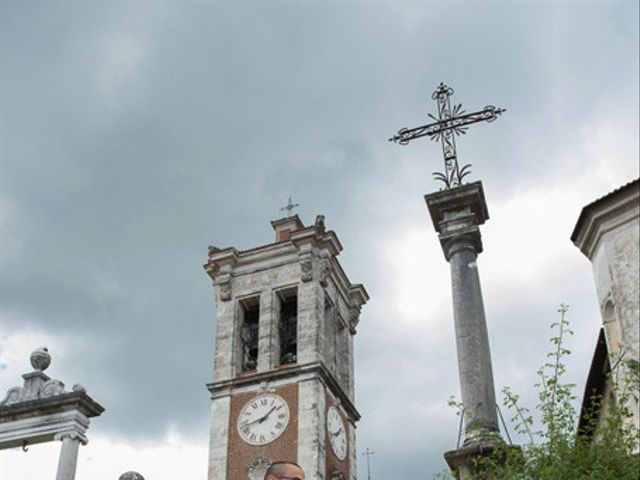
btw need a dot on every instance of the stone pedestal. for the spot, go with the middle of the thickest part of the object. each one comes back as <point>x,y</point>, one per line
<point>466,462</point>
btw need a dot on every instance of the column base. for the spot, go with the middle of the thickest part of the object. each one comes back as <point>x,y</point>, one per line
<point>467,461</point>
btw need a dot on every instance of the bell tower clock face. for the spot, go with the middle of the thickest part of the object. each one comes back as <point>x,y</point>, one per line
<point>337,433</point>
<point>263,419</point>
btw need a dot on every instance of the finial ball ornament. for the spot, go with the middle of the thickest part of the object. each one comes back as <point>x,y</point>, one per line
<point>131,476</point>
<point>40,359</point>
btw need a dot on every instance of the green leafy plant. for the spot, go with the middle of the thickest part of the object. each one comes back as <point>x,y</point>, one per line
<point>604,449</point>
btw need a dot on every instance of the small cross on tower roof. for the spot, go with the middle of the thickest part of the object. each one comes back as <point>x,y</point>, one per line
<point>289,207</point>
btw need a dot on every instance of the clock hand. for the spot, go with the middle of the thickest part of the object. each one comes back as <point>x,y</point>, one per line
<point>247,423</point>
<point>267,415</point>
<point>257,420</point>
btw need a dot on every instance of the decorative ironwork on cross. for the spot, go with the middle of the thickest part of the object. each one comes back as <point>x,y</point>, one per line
<point>449,124</point>
<point>289,206</point>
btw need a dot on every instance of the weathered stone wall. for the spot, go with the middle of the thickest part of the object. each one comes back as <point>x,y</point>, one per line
<point>311,428</point>
<point>616,272</point>
<point>608,233</point>
<point>219,438</point>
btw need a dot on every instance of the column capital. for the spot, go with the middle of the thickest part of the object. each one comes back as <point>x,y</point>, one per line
<point>72,435</point>
<point>467,239</point>
<point>456,214</point>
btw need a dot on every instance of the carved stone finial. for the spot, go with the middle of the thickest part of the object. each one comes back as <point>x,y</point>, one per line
<point>320,222</point>
<point>79,388</point>
<point>40,359</point>
<point>130,476</point>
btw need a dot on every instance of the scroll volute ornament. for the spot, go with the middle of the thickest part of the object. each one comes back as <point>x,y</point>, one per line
<point>223,283</point>
<point>354,319</point>
<point>306,269</point>
<point>325,270</point>
<point>52,388</point>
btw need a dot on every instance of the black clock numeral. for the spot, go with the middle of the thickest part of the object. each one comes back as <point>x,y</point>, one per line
<point>279,425</point>
<point>263,401</point>
<point>282,415</point>
<point>272,433</point>
<point>253,437</point>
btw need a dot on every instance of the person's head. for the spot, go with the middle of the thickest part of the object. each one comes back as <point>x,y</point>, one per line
<point>284,471</point>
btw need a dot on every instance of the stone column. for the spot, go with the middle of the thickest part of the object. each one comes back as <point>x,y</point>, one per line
<point>310,322</point>
<point>268,332</point>
<point>472,340</point>
<point>456,214</point>
<point>219,438</point>
<point>311,428</point>
<point>68,455</point>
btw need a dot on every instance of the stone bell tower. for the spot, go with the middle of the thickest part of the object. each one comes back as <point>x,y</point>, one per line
<point>283,385</point>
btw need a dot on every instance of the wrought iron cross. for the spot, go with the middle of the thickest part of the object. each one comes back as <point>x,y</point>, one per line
<point>289,206</point>
<point>446,127</point>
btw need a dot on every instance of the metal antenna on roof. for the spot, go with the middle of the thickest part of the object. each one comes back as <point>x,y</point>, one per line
<point>368,453</point>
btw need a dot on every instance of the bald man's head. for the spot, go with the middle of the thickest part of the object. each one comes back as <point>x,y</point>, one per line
<point>284,470</point>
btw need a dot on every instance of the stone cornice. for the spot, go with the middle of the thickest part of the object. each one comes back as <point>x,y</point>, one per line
<point>79,401</point>
<point>605,215</point>
<point>311,370</point>
<point>293,221</point>
<point>224,264</point>
<point>40,426</point>
<point>320,239</point>
<point>358,295</point>
<point>445,204</point>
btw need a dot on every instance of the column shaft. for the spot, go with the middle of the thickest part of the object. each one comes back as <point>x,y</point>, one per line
<point>68,458</point>
<point>472,342</point>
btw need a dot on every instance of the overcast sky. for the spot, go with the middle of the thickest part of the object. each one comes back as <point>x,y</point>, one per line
<point>135,134</point>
